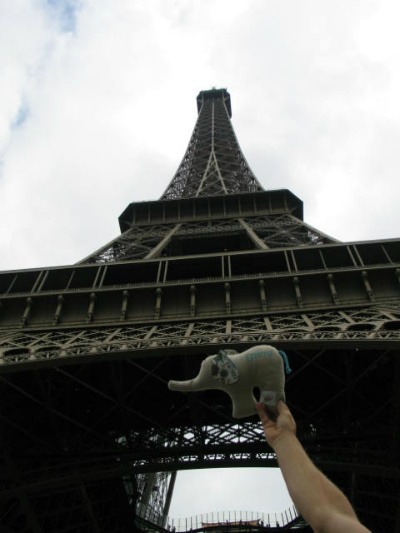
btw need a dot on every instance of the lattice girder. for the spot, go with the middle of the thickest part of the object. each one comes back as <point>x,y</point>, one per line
<point>341,328</point>
<point>58,444</point>
<point>232,284</point>
<point>86,350</point>
<point>213,163</point>
<point>142,242</point>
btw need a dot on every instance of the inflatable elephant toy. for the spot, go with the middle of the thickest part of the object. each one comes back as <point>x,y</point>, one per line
<point>238,374</point>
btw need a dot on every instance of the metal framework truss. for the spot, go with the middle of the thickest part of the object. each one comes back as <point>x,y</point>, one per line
<point>213,163</point>
<point>74,426</point>
<point>155,441</point>
<point>90,434</point>
<point>349,327</point>
<point>245,233</point>
<point>154,494</point>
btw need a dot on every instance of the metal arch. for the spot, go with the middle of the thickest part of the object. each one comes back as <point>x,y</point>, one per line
<point>228,446</point>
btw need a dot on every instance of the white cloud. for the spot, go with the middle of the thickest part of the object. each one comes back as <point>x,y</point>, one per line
<point>239,489</point>
<point>19,56</point>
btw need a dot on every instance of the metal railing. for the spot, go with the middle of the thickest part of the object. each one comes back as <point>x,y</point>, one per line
<point>218,519</point>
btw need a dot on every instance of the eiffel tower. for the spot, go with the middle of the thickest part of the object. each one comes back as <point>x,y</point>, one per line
<point>91,437</point>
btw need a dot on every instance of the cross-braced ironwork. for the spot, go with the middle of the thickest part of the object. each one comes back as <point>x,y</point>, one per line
<point>213,163</point>
<point>91,437</point>
<point>245,233</point>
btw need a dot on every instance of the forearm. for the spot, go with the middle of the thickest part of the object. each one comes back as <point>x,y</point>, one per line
<point>312,493</point>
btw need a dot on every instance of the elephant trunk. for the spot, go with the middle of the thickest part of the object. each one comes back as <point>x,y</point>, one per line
<point>183,386</point>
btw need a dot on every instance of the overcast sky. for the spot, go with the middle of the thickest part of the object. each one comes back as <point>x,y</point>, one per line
<point>98,105</point>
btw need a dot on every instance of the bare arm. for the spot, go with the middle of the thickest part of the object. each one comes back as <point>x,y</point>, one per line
<point>318,500</point>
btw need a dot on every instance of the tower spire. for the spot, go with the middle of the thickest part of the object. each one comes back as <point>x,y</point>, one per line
<point>213,164</point>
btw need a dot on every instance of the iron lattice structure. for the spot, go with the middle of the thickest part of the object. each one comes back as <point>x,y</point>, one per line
<point>213,163</point>
<point>89,431</point>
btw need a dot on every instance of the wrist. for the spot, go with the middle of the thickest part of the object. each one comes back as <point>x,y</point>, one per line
<point>285,438</point>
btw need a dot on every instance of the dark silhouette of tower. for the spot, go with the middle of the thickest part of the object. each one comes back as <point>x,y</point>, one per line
<point>90,434</point>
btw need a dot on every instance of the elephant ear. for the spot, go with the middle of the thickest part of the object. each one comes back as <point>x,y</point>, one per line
<point>229,351</point>
<point>224,369</point>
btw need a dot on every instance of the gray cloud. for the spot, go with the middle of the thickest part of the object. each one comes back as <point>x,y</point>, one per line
<point>232,489</point>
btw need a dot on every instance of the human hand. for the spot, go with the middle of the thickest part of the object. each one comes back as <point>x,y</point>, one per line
<point>275,430</point>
